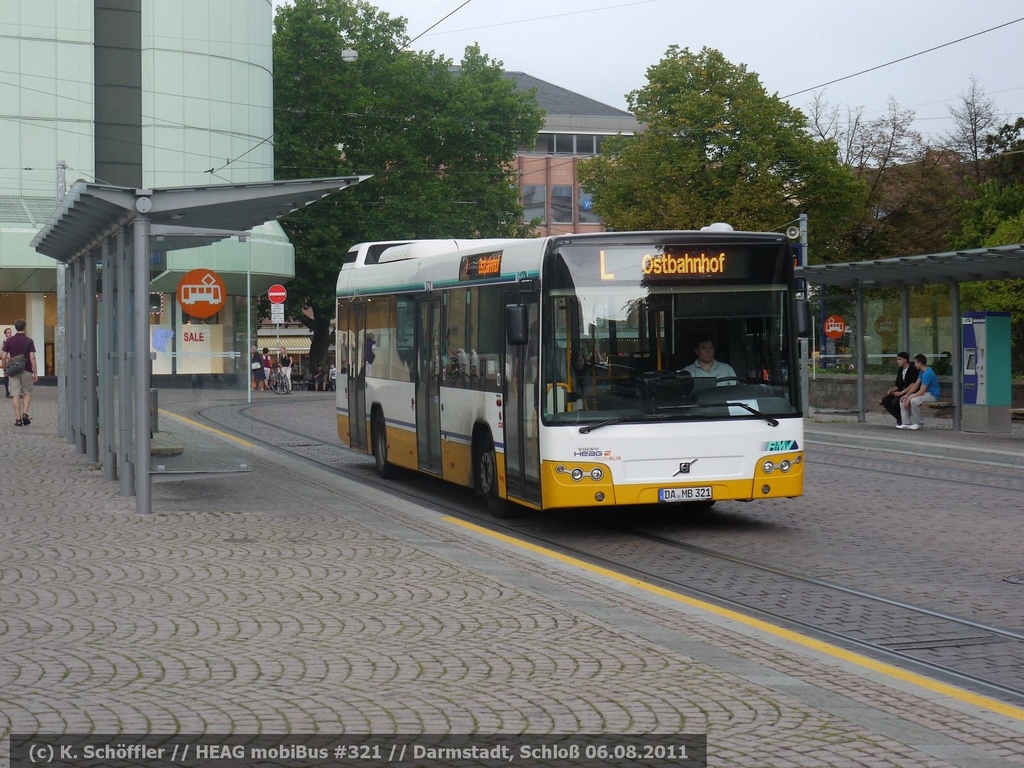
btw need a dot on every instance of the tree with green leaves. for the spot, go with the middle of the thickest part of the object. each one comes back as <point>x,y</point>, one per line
<point>717,147</point>
<point>438,141</point>
<point>991,216</point>
<point>907,182</point>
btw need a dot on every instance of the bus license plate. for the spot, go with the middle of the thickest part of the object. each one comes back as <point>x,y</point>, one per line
<point>700,493</point>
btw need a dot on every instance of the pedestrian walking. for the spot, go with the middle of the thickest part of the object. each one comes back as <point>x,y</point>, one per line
<point>7,379</point>
<point>19,360</point>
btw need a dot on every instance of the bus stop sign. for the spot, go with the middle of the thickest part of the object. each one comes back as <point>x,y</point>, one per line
<point>201,293</point>
<point>834,327</point>
<point>277,294</point>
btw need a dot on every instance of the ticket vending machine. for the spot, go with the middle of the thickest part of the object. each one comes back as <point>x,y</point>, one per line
<point>986,373</point>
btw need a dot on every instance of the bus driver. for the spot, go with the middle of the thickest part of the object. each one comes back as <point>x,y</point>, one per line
<point>705,366</point>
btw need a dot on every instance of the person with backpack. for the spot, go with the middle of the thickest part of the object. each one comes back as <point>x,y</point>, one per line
<point>19,358</point>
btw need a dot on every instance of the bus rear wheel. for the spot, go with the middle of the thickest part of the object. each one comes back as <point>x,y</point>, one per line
<point>379,438</point>
<point>486,480</point>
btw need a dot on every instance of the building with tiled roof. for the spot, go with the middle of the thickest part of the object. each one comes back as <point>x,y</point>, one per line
<point>575,126</point>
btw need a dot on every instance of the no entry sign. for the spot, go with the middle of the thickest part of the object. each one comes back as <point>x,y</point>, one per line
<point>277,294</point>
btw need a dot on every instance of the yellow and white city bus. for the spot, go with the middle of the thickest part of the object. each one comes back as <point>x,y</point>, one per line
<point>563,371</point>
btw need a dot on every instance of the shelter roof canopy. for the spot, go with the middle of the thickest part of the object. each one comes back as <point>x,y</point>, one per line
<point>195,215</point>
<point>953,267</point>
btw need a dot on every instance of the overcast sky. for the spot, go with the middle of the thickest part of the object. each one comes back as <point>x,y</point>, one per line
<point>602,48</point>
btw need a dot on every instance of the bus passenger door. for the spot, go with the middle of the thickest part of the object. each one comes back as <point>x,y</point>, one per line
<point>522,415</point>
<point>357,376</point>
<point>428,385</point>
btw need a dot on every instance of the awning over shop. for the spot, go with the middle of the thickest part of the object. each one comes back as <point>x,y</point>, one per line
<point>295,345</point>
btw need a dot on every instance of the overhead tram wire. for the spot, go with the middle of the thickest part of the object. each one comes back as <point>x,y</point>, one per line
<point>540,18</point>
<point>421,34</point>
<point>904,58</point>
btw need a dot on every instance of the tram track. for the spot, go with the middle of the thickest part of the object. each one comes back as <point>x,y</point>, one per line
<point>973,654</point>
<point>922,467</point>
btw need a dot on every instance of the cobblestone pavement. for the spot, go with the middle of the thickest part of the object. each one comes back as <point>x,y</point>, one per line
<point>289,600</point>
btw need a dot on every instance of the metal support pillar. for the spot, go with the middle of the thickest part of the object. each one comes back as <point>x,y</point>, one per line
<point>142,368</point>
<point>905,321</point>
<point>60,358</point>
<point>805,347</point>
<point>125,460</point>
<point>91,415</point>
<point>75,351</point>
<point>107,366</point>
<point>862,358</point>
<point>80,300</point>
<point>955,363</point>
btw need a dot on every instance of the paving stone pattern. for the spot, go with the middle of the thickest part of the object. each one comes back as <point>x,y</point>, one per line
<point>291,601</point>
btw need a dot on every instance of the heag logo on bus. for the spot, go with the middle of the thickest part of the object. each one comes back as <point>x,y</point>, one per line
<point>780,445</point>
<point>667,264</point>
<point>590,453</point>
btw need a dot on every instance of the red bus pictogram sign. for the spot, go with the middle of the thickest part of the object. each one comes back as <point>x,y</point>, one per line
<point>201,293</point>
<point>834,327</point>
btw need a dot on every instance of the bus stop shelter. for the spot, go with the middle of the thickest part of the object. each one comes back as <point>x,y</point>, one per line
<point>952,268</point>
<point>105,235</point>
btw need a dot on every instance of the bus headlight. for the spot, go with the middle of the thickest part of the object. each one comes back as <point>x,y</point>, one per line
<point>596,473</point>
<point>767,467</point>
<point>576,474</point>
<point>784,465</point>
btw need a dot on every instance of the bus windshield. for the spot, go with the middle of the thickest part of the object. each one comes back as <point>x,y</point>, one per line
<point>649,332</point>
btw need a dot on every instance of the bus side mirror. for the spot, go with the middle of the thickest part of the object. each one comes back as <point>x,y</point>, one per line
<point>517,329</point>
<point>803,319</point>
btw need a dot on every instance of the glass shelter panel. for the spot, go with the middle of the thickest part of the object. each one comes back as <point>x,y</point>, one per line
<point>207,372</point>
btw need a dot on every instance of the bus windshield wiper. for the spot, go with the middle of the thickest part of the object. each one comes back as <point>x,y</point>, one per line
<point>771,422</point>
<point>586,429</point>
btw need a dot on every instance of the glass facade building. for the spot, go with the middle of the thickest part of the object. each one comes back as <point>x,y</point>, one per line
<point>146,93</point>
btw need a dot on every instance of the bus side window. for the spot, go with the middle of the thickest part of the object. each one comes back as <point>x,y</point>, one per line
<point>488,341</point>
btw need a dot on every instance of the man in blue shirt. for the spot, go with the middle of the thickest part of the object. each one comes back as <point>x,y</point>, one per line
<point>924,390</point>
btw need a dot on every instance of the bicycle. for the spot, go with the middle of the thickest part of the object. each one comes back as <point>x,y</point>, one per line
<point>278,383</point>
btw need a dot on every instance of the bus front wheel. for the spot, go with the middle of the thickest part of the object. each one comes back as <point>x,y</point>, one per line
<point>379,437</point>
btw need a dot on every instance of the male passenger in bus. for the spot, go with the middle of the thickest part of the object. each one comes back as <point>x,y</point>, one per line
<point>705,366</point>
<point>906,374</point>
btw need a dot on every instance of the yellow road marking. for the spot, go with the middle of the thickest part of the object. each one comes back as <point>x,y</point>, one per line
<point>860,660</point>
<point>197,425</point>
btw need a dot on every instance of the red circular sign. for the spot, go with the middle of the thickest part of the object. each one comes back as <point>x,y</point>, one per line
<point>834,327</point>
<point>277,294</point>
<point>201,293</point>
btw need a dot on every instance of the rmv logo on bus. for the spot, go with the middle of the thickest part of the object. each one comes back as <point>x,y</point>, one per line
<point>780,445</point>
